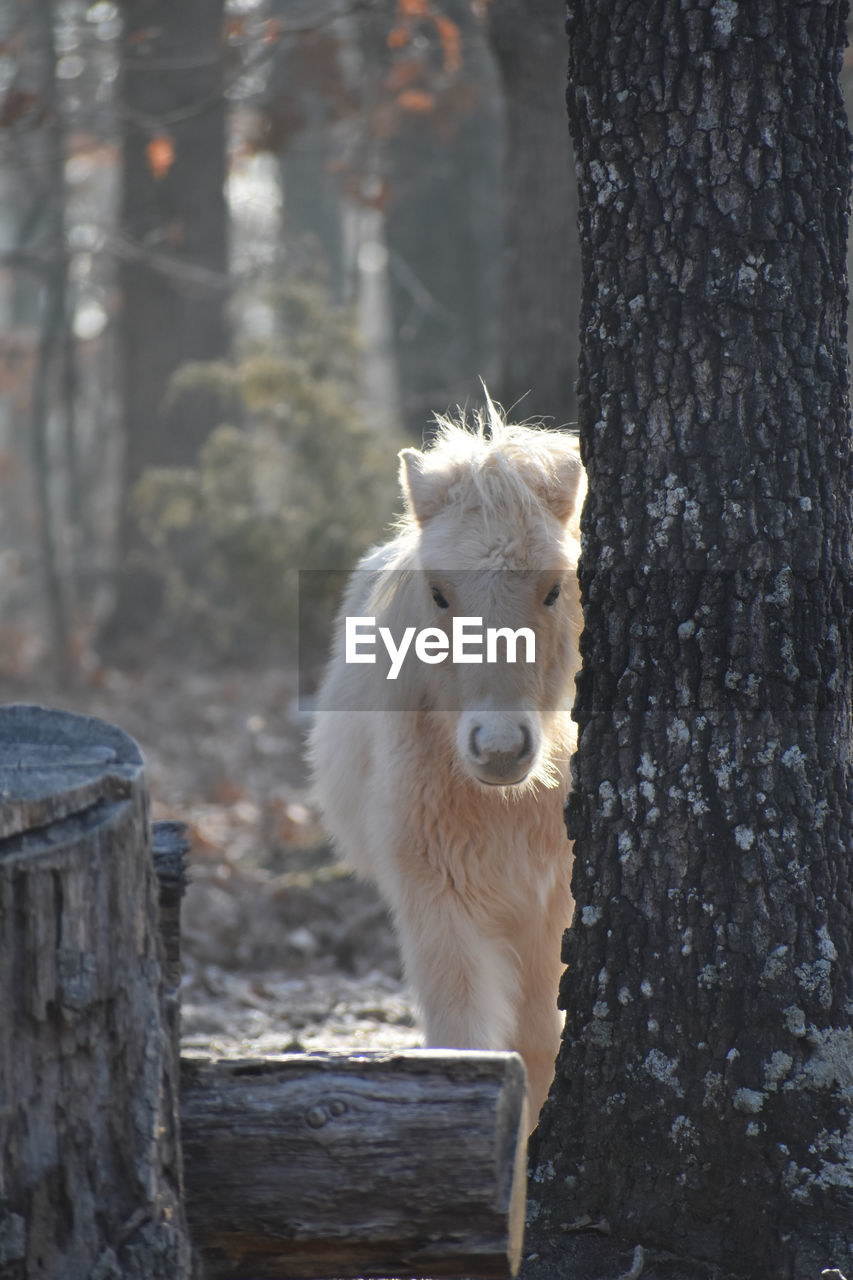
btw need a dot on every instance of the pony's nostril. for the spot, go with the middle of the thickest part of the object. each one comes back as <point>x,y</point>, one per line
<point>473,744</point>
<point>526,743</point>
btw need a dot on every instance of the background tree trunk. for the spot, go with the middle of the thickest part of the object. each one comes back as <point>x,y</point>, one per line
<point>541,254</point>
<point>89,1157</point>
<point>307,98</point>
<point>47,216</point>
<point>442,166</point>
<point>172,242</point>
<point>704,1090</point>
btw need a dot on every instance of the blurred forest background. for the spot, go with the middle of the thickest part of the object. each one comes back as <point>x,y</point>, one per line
<point>247,247</point>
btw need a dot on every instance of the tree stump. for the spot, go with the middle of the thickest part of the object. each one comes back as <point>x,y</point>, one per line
<point>90,1174</point>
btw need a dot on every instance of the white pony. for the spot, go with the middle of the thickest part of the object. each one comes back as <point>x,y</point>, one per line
<point>445,785</point>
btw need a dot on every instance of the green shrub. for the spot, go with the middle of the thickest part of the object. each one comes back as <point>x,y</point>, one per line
<point>303,483</point>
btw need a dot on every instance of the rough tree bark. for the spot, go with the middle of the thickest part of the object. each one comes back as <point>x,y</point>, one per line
<point>89,1149</point>
<point>377,1164</point>
<point>704,1089</point>
<point>541,255</point>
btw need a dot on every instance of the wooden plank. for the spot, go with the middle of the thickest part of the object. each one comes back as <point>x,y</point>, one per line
<point>376,1165</point>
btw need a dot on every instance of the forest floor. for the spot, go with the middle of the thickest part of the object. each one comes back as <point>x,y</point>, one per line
<point>283,950</point>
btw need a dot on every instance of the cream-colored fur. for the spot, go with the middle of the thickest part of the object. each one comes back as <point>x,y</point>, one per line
<point>476,876</point>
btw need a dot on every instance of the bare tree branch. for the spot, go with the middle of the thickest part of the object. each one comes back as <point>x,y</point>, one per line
<point>154,123</point>
<point>168,264</point>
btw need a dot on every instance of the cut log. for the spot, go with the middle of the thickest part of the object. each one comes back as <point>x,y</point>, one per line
<point>322,1165</point>
<point>89,1150</point>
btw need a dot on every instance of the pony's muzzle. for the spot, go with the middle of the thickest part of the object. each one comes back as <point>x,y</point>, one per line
<point>500,751</point>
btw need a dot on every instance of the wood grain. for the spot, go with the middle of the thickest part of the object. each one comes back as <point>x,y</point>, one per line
<point>318,1165</point>
<point>89,1153</point>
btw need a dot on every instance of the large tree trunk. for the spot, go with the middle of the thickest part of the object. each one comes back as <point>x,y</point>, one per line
<point>541,251</point>
<point>704,1090</point>
<point>172,243</point>
<point>89,1150</point>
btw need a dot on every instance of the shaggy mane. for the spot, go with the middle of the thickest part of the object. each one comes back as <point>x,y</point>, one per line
<point>498,465</point>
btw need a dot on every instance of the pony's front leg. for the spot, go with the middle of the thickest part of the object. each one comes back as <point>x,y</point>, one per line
<point>537,1035</point>
<point>466,981</point>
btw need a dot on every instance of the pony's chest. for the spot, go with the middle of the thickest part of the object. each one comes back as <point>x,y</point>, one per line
<point>516,848</point>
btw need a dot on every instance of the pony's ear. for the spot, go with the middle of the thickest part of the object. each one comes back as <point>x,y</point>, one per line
<point>566,486</point>
<point>424,487</point>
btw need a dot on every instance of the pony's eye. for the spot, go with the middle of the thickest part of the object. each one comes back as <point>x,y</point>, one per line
<point>439,599</point>
<point>552,595</point>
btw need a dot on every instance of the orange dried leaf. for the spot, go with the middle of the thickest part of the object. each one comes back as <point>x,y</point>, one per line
<point>398,38</point>
<point>273,28</point>
<point>413,8</point>
<point>416,100</point>
<point>235,28</point>
<point>160,154</point>
<point>451,42</point>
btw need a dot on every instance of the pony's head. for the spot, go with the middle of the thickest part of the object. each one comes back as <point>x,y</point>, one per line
<point>492,523</point>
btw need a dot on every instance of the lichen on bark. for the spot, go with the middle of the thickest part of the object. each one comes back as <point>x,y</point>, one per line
<point>704,1091</point>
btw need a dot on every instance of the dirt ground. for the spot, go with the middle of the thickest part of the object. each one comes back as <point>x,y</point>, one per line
<point>283,950</point>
